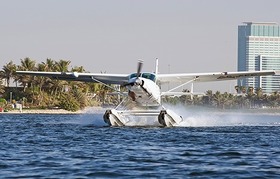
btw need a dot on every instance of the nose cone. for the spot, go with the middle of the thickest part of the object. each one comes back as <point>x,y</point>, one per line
<point>135,81</point>
<point>138,82</point>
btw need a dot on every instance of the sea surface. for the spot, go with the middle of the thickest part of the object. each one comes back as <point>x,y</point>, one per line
<point>220,145</point>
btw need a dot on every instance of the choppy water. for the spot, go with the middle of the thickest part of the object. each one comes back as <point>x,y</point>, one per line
<point>79,146</point>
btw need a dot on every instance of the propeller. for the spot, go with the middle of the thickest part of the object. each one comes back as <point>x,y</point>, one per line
<point>138,74</point>
<point>139,68</point>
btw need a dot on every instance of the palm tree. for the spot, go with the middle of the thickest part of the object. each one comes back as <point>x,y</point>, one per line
<point>39,80</point>
<point>56,86</point>
<point>207,98</point>
<point>273,99</point>
<point>8,72</point>
<point>27,81</point>
<point>62,65</point>
<point>250,95</point>
<point>79,69</point>
<point>80,96</point>
<point>259,97</point>
<point>26,65</point>
<point>219,99</point>
<point>84,86</point>
<point>49,65</point>
<point>259,92</point>
<point>229,100</point>
<point>197,100</point>
<point>2,87</point>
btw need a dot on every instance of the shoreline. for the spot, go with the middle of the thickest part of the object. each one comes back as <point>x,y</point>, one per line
<point>54,111</point>
<point>98,109</point>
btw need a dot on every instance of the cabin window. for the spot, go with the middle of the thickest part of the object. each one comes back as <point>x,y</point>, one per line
<point>133,75</point>
<point>149,76</point>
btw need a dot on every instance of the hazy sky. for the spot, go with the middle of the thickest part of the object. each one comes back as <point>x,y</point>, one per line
<point>111,35</point>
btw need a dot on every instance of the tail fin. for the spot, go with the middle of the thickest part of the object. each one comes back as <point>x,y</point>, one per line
<point>156,71</point>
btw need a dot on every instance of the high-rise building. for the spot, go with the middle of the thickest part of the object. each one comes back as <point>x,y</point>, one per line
<point>259,49</point>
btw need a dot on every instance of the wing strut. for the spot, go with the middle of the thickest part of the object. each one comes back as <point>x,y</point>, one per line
<point>180,86</point>
<point>96,80</point>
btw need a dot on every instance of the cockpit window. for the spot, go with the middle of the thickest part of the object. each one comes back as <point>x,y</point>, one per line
<point>149,76</point>
<point>133,75</point>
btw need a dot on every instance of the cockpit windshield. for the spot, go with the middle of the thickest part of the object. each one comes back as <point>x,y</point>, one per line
<point>149,76</point>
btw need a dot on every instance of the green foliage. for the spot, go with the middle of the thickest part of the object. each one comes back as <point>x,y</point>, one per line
<point>3,102</point>
<point>2,88</point>
<point>251,99</point>
<point>8,71</point>
<point>44,92</point>
<point>80,97</point>
<point>68,102</point>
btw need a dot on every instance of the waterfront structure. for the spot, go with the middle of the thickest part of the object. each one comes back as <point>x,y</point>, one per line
<point>259,49</point>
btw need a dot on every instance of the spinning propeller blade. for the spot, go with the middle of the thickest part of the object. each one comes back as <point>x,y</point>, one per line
<point>138,74</point>
<point>139,68</point>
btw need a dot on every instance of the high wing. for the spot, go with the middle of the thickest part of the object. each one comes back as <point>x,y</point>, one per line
<point>85,77</point>
<point>208,77</point>
<point>161,78</point>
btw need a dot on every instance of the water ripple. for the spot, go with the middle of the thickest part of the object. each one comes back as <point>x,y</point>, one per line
<point>64,146</point>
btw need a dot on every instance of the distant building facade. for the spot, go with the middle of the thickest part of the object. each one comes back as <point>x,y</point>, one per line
<point>259,49</point>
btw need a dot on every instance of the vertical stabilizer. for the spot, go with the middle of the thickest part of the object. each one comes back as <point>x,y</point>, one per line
<point>156,71</point>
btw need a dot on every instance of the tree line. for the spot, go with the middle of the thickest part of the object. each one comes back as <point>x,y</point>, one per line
<point>248,99</point>
<point>44,92</point>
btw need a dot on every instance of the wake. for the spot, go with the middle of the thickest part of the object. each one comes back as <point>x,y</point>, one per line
<point>204,117</point>
<point>194,117</point>
<point>91,116</point>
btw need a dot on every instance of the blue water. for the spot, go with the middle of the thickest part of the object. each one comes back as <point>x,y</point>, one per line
<point>79,146</point>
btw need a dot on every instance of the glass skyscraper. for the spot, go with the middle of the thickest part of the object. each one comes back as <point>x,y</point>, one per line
<point>259,49</point>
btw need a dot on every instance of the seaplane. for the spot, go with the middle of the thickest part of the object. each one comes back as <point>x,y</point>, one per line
<point>143,97</point>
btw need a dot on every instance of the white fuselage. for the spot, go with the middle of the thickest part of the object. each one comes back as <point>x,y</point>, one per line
<point>144,91</point>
